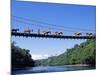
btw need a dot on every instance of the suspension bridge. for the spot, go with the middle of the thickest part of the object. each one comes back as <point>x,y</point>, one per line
<point>51,36</point>
<point>47,34</point>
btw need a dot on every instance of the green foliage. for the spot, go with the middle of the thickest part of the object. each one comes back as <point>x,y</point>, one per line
<point>85,53</point>
<point>20,58</point>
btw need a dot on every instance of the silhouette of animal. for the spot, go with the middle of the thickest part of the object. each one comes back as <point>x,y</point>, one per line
<point>77,34</point>
<point>46,32</point>
<point>89,34</point>
<point>15,30</point>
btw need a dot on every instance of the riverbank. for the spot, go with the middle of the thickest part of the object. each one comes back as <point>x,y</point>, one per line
<point>77,65</point>
<point>69,65</point>
<point>45,69</point>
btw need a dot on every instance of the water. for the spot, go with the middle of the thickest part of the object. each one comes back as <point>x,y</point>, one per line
<point>44,69</point>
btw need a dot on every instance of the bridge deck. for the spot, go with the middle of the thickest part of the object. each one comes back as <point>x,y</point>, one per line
<point>51,36</point>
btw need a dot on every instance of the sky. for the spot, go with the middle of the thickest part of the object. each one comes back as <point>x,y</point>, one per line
<point>76,16</point>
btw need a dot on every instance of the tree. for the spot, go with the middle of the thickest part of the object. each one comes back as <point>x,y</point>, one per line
<point>20,58</point>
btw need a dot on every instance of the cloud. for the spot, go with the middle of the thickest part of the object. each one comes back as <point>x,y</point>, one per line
<point>39,56</point>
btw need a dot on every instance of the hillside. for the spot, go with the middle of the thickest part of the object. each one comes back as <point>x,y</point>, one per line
<point>85,53</point>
